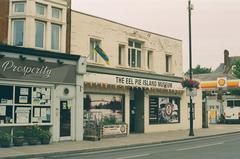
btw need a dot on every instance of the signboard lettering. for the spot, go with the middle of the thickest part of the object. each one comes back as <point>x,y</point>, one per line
<point>25,70</point>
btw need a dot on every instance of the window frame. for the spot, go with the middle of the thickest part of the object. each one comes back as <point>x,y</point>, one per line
<point>44,33</point>
<point>150,59</point>
<point>59,36</point>
<point>44,6</point>
<point>168,63</point>
<point>59,13</point>
<point>134,60</point>
<point>13,32</point>
<point>14,7</point>
<point>93,56</point>
<point>121,54</point>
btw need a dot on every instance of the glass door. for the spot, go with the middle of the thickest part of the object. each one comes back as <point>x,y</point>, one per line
<point>65,119</point>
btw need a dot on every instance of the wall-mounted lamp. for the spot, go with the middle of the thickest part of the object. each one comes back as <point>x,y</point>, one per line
<point>41,59</point>
<point>22,57</point>
<point>60,62</point>
<point>1,56</point>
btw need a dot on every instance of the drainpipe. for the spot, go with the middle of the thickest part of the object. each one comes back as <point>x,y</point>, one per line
<point>68,29</point>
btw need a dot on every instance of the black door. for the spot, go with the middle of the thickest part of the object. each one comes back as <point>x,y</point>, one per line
<point>132,116</point>
<point>65,119</point>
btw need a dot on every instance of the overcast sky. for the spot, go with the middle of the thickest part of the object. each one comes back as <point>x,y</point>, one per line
<point>215,23</point>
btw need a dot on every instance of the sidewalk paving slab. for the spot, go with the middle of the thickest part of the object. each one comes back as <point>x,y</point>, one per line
<point>68,147</point>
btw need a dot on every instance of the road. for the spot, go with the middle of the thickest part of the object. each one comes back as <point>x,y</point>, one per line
<point>221,147</point>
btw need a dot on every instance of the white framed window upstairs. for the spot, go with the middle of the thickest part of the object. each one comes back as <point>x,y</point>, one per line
<point>168,59</point>
<point>134,53</point>
<point>121,55</point>
<point>55,37</point>
<point>18,7</point>
<point>93,56</point>
<point>40,34</point>
<point>149,59</point>
<point>18,32</point>
<point>56,13</point>
<point>41,9</point>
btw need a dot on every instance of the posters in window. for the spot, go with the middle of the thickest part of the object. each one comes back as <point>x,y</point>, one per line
<point>164,110</point>
<point>22,115</point>
<point>2,110</point>
<point>109,106</point>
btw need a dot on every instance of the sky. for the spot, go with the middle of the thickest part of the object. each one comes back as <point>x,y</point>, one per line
<point>215,23</point>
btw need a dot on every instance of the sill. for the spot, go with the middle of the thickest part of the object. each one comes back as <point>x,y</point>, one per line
<point>95,64</point>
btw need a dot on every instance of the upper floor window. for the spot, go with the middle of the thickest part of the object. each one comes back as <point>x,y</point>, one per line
<point>18,32</point>
<point>40,34</point>
<point>56,13</point>
<point>169,63</point>
<point>93,44</point>
<point>149,59</point>
<point>121,54</point>
<point>41,9</point>
<point>55,37</point>
<point>19,7</point>
<point>134,53</point>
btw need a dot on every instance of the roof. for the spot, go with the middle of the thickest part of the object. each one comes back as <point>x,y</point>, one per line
<point>36,52</point>
<point>213,76</point>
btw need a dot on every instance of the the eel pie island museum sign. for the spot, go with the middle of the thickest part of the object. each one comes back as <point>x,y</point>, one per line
<point>131,81</point>
<point>29,70</point>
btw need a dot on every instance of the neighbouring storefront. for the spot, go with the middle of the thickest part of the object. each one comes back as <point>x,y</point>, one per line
<point>145,102</point>
<point>41,88</point>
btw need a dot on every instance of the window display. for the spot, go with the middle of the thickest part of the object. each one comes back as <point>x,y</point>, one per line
<point>109,106</point>
<point>164,110</point>
<point>25,105</point>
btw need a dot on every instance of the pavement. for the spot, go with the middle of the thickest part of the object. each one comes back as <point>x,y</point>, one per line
<point>68,147</point>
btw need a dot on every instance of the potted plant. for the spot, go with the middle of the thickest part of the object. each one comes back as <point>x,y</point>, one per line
<point>5,139</point>
<point>31,134</point>
<point>18,137</point>
<point>45,136</point>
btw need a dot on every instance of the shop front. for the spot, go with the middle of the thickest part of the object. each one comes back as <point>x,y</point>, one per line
<point>40,88</point>
<point>144,102</point>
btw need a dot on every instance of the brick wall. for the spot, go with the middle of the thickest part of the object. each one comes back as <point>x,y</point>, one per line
<point>4,12</point>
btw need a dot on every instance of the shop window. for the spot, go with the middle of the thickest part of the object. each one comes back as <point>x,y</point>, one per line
<point>18,32</point>
<point>23,95</point>
<point>164,110</point>
<point>56,13</point>
<point>40,34</point>
<point>93,55</point>
<point>25,105</point>
<point>168,63</point>
<point>108,107</point>
<point>121,54</point>
<point>41,9</point>
<point>18,7</point>
<point>55,37</point>
<point>149,59</point>
<point>134,53</point>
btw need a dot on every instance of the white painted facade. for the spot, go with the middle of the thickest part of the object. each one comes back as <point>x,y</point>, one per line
<point>111,35</point>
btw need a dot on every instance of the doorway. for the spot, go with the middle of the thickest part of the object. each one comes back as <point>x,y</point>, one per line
<point>65,120</point>
<point>137,111</point>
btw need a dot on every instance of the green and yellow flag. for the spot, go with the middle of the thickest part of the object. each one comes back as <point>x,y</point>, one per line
<point>102,54</point>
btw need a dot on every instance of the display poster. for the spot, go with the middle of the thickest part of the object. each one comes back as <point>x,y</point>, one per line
<point>24,91</point>
<point>2,110</point>
<point>164,110</point>
<point>23,99</point>
<point>36,112</point>
<point>22,115</point>
<point>109,106</point>
<point>44,113</point>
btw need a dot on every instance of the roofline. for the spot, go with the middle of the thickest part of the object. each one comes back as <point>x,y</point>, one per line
<point>125,25</point>
<point>36,52</point>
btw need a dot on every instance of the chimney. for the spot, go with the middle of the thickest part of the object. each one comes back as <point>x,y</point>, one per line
<point>226,58</point>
